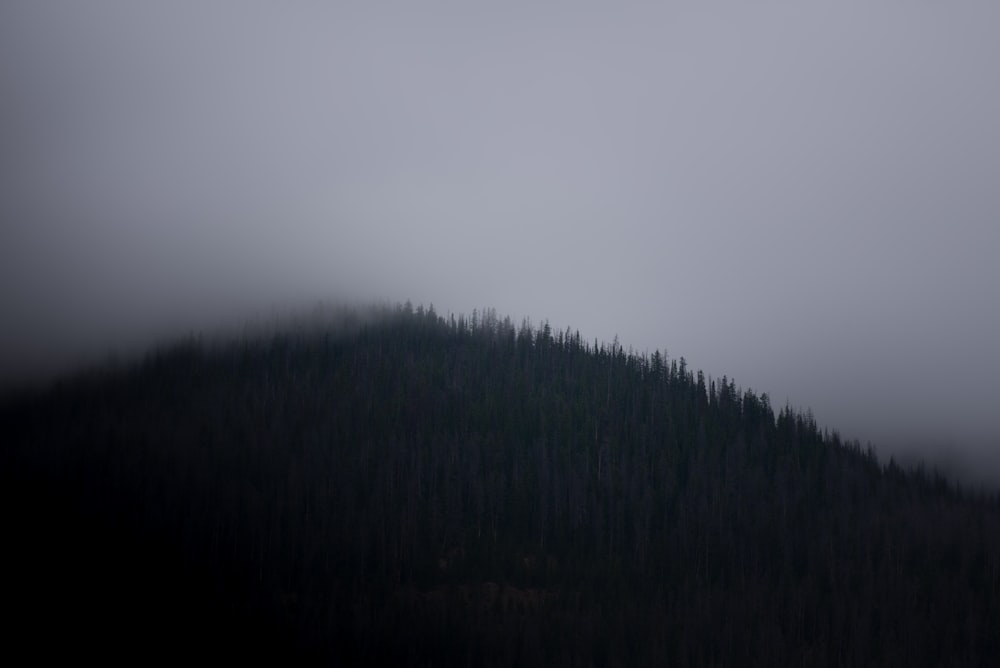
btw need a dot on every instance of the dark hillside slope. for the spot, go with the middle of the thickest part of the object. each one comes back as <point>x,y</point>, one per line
<point>422,491</point>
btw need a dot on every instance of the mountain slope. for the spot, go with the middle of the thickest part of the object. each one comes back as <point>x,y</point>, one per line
<point>420,490</point>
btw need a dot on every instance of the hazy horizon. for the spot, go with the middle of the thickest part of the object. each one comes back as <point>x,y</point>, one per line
<point>803,198</point>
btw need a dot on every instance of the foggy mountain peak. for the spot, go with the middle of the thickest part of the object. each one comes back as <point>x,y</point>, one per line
<point>796,196</point>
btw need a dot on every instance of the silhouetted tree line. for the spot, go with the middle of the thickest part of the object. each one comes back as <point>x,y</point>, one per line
<point>419,490</point>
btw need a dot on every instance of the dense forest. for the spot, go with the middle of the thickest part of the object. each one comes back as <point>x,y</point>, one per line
<point>402,488</point>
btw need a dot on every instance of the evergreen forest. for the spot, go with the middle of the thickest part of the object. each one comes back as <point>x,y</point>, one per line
<point>404,488</point>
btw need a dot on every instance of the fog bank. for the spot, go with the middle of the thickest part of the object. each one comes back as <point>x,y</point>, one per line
<point>801,197</point>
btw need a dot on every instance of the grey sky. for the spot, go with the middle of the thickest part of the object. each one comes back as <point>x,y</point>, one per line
<point>801,195</point>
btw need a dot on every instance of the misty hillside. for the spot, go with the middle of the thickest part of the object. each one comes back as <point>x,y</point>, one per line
<point>406,489</point>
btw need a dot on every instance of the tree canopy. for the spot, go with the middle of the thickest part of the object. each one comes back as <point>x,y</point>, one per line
<point>419,489</point>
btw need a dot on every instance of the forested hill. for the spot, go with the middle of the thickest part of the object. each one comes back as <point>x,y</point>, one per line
<point>415,490</point>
